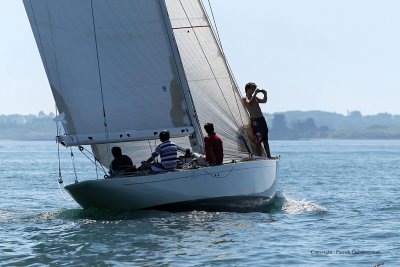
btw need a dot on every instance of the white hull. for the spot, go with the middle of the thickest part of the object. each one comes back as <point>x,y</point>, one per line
<point>237,186</point>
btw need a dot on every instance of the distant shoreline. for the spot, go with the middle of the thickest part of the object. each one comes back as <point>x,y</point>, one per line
<point>290,125</point>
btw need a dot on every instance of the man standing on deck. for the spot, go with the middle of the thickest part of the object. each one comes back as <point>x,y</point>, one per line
<point>258,123</point>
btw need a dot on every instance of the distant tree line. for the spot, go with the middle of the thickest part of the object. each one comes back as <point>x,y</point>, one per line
<point>298,129</point>
<point>28,127</point>
<point>290,125</point>
<point>294,125</point>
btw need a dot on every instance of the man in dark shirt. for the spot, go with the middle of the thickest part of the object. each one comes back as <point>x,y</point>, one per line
<point>213,146</point>
<point>120,162</point>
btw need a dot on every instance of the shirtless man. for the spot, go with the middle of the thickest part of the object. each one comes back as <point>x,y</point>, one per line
<point>258,123</point>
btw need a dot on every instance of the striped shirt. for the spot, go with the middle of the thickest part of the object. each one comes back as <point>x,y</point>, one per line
<point>168,154</point>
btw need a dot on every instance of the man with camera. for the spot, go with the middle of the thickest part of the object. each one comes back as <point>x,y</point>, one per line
<point>258,123</point>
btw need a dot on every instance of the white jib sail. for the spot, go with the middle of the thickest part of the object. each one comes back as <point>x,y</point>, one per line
<point>111,68</point>
<point>215,94</point>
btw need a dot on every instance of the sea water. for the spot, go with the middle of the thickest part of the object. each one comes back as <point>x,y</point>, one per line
<point>338,204</point>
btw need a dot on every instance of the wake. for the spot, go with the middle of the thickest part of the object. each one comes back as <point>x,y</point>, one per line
<point>289,205</point>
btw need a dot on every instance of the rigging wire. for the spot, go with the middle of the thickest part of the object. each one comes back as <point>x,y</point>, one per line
<point>81,149</point>
<point>215,25</point>
<point>62,193</point>
<point>101,85</point>
<point>60,180</point>
<point>73,165</point>
<point>97,173</point>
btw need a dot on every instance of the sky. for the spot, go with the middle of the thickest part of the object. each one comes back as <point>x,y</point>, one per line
<point>332,55</point>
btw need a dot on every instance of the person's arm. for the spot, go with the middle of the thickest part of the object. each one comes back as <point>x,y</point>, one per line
<point>146,164</point>
<point>149,160</point>
<point>264,99</point>
<point>152,157</point>
<point>253,97</point>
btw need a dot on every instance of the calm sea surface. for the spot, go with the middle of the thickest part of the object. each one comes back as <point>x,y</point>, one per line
<point>338,205</point>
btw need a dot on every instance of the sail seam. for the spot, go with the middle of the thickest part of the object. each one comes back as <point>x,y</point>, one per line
<point>191,27</point>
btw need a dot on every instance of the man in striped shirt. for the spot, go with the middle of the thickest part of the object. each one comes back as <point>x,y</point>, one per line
<point>168,153</point>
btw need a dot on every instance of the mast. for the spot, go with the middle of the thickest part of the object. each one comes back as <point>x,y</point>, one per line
<point>196,139</point>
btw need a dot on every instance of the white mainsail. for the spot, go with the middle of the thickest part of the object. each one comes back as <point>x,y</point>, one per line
<point>121,71</point>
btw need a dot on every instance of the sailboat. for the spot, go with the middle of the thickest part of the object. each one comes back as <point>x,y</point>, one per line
<point>120,72</point>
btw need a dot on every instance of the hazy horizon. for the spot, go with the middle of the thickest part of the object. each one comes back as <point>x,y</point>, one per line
<point>348,113</point>
<point>334,56</point>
